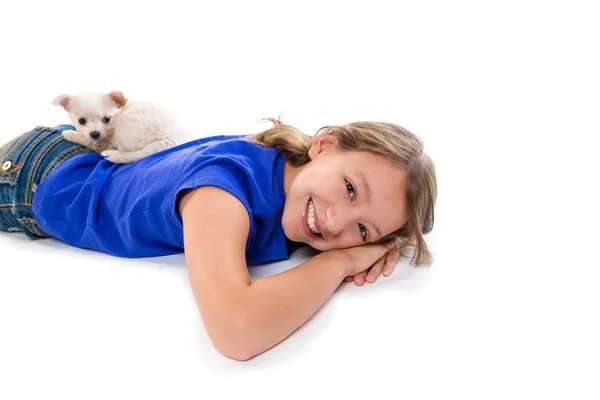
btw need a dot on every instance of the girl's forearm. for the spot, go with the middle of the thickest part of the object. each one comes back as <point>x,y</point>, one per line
<point>277,305</point>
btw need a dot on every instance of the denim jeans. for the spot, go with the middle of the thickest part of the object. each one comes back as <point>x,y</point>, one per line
<point>24,162</point>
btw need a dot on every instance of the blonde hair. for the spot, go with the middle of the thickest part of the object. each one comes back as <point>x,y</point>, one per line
<point>391,141</point>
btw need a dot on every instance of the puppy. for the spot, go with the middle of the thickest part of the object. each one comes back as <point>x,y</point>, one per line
<point>121,130</point>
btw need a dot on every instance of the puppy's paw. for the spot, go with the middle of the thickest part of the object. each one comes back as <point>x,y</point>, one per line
<point>119,158</point>
<point>70,135</point>
<point>108,153</point>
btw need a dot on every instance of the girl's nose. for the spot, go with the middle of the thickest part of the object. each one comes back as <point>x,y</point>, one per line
<point>337,219</point>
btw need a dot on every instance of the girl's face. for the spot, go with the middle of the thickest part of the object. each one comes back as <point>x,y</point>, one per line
<point>348,197</point>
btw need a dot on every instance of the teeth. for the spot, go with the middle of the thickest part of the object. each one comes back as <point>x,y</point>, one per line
<point>310,217</point>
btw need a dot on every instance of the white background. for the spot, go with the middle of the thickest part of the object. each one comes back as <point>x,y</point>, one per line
<point>506,98</point>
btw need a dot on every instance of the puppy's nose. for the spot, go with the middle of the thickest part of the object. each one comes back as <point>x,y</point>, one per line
<point>95,134</point>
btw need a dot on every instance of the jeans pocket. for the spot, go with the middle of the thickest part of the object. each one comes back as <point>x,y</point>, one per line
<point>9,171</point>
<point>13,155</point>
<point>9,175</point>
<point>13,164</point>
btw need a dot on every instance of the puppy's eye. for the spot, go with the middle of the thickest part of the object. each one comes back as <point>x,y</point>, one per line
<point>106,120</point>
<point>82,121</point>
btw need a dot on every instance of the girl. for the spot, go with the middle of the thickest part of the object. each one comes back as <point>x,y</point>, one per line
<point>360,193</point>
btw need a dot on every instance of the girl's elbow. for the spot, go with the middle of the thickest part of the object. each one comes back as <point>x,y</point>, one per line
<point>238,352</point>
<point>236,342</point>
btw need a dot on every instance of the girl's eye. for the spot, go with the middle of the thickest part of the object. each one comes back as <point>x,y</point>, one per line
<point>361,227</point>
<point>106,120</point>
<point>363,231</point>
<point>350,189</point>
<point>82,121</point>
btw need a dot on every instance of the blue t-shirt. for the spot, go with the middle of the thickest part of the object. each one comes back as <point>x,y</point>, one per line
<point>129,210</point>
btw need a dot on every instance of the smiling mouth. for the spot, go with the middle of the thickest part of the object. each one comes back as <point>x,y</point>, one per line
<point>310,218</point>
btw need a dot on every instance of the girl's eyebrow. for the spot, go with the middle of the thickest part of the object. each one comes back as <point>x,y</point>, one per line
<point>364,184</point>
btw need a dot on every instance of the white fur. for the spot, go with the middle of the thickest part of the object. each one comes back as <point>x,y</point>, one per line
<point>135,129</point>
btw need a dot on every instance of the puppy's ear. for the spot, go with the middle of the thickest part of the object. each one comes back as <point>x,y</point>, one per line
<point>118,98</point>
<point>64,100</point>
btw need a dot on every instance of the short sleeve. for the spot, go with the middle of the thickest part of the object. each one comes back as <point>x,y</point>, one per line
<point>225,177</point>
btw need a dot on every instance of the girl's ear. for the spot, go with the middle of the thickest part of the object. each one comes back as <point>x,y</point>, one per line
<point>322,143</point>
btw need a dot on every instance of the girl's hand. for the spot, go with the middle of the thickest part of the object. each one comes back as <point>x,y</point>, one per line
<point>367,256</point>
<point>387,263</point>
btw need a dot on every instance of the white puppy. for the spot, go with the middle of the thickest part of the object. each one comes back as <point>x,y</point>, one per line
<point>119,129</point>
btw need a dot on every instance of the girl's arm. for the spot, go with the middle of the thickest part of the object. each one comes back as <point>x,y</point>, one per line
<point>245,318</point>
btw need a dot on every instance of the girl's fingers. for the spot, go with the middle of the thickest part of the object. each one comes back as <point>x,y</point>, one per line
<point>375,270</point>
<point>390,264</point>
<point>359,279</point>
<point>385,264</point>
